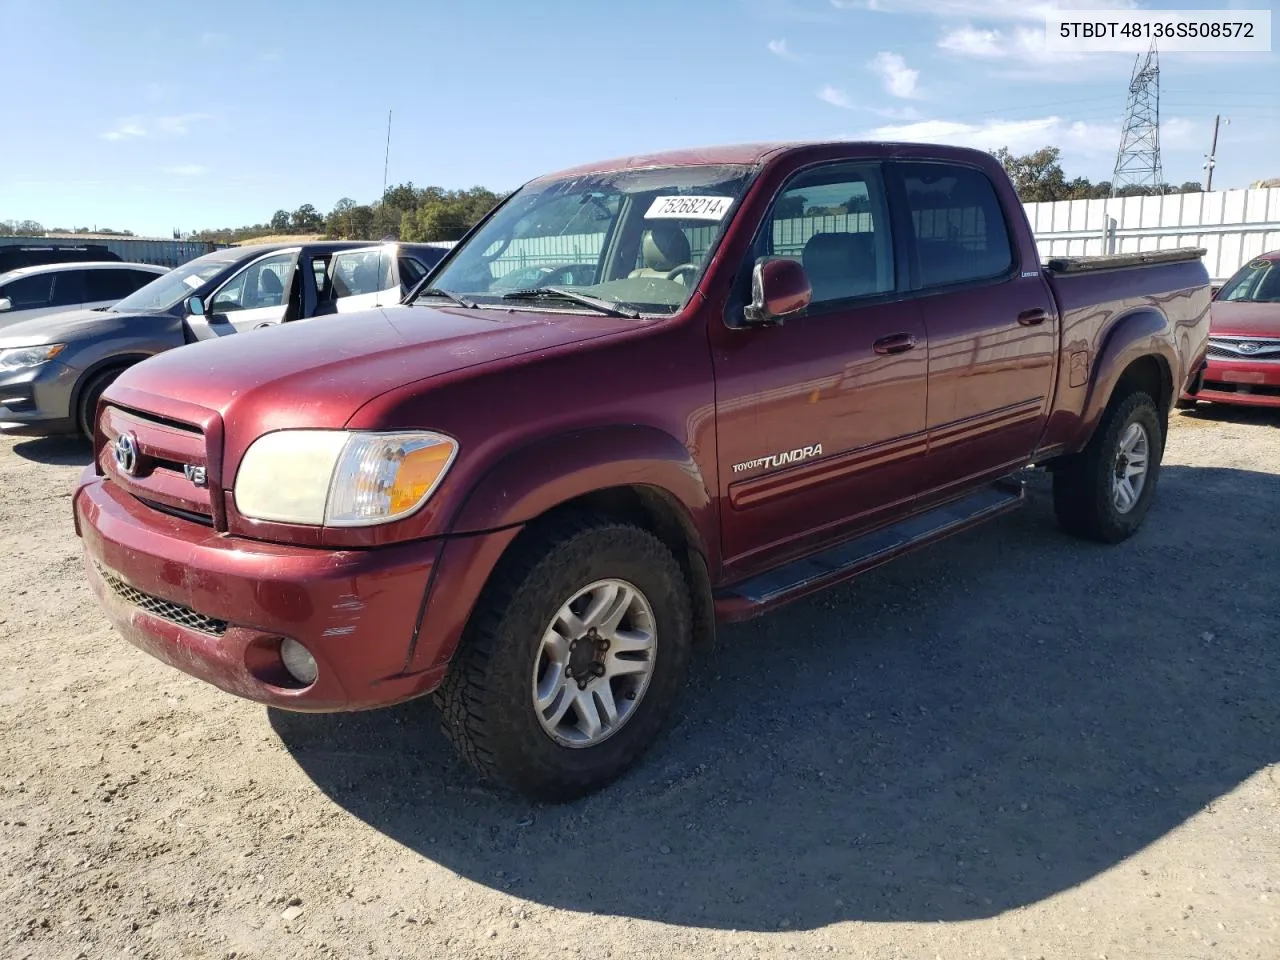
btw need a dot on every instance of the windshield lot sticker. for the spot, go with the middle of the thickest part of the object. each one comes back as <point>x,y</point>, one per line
<point>694,208</point>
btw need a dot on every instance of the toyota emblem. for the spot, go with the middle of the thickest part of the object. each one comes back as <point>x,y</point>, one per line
<point>1247,346</point>
<point>126,453</point>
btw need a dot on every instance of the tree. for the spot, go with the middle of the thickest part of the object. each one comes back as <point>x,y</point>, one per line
<point>1036,176</point>
<point>280,221</point>
<point>306,219</point>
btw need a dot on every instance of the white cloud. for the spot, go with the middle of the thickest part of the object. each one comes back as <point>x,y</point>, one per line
<point>983,9</point>
<point>185,170</point>
<point>836,97</point>
<point>898,79</point>
<point>779,48</point>
<point>127,129</point>
<point>1020,136</point>
<point>1023,44</point>
<point>145,128</point>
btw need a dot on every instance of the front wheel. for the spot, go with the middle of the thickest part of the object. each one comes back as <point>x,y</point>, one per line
<point>1104,492</point>
<point>574,659</point>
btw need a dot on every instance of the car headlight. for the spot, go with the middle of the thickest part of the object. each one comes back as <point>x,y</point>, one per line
<point>340,478</point>
<point>18,358</point>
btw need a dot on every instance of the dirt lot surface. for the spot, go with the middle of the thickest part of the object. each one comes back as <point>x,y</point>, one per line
<point>1010,745</point>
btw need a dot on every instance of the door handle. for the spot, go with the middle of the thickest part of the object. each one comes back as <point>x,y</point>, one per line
<point>1029,318</point>
<point>896,343</point>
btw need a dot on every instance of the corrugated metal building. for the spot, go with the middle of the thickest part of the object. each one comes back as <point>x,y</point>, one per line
<point>164,253</point>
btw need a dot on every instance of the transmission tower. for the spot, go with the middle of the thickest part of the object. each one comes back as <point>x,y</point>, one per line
<point>1138,160</point>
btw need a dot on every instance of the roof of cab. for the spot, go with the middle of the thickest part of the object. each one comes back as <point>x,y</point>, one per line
<point>747,153</point>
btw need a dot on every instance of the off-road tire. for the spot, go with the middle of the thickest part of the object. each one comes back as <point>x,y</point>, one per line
<point>486,700</point>
<point>1082,493</point>
<point>87,405</point>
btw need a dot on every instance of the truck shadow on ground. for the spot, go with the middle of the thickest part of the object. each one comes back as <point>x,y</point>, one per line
<point>56,451</point>
<point>968,730</point>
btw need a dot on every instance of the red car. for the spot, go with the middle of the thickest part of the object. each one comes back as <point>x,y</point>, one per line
<point>793,363</point>
<point>1244,339</point>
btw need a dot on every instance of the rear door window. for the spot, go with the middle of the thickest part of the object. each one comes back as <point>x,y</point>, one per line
<point>960,233</point>
<point>114,284</point>
<point>68,288</point>
<point>359,272</point>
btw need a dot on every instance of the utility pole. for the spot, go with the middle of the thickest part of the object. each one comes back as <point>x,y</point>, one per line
<point>1211,157</point>
<point>387,157</point>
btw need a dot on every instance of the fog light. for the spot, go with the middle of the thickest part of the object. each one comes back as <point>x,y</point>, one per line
<point>299,662</point>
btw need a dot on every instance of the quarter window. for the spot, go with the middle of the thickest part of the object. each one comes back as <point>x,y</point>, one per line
<point>959,227</point>
<point>834,220</point>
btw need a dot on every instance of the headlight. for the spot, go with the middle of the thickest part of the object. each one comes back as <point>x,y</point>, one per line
<point>340,478</point>
<point>17,358</point>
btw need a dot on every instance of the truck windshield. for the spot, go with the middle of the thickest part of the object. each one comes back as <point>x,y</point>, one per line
<point>169,289</point>
<point>635,239</point>
<point>1258,281</point>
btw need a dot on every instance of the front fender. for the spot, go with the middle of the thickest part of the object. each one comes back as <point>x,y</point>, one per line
<point>1144,332</point>
<point>535,478</point>
<point>527,483</point>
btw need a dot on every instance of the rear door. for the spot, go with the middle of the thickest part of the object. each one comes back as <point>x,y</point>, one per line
<point>258,295</point>
<point>991,325</point>
<point>363,278</point>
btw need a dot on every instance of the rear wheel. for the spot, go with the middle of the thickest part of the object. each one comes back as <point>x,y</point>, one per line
<point>1104,492</point>
<point>89,398</point>
<point>573,662</point>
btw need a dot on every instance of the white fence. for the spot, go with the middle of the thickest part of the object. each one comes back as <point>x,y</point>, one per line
<point>1233,225</point>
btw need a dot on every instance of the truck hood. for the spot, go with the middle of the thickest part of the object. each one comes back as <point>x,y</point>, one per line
<point>1232,319</point>
<point>319,372</point>
<point>72,325</point>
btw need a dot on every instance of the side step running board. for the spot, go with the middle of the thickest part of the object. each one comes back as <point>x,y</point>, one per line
<point>810,574</point>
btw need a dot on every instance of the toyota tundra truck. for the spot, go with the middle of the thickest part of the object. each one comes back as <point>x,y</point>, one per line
<point>793,363</point>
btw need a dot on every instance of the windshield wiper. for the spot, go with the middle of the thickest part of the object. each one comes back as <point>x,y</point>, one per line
<point>595,303</point>
<point>448,295</point>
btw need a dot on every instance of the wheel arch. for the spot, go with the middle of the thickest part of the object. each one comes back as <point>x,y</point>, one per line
<point>1138,352</point>
<point>114,363</point>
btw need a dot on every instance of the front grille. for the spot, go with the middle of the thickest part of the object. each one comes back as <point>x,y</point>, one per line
<point>1245,348</point>
<point>164,609</point>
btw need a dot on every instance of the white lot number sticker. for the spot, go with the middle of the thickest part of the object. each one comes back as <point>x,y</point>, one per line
<point>694,208</point>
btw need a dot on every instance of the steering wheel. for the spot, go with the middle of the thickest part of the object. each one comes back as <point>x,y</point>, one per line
<point>688,268</point>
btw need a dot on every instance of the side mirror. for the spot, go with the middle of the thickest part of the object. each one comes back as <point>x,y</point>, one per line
<point>195,306</point>
<point>5,304</point>
<point>779,289</point>
<point>1213,292</point>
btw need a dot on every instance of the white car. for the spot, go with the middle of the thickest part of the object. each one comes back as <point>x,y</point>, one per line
<point>53,287</point>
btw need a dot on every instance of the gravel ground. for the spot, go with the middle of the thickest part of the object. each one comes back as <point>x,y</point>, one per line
<point>1009,745</point>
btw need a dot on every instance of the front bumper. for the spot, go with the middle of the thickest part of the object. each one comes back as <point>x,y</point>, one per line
<point>1246,382</point>
<point>216,607</point>
<point>37,401</point>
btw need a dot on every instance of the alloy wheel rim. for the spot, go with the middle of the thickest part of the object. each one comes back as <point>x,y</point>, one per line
<point>1129,476</point>
<point>594,663</point>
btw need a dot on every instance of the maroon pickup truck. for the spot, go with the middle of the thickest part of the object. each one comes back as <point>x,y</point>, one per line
<point>793,362</point>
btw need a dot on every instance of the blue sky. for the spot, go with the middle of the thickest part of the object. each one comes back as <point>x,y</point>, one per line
<point>153,116</point>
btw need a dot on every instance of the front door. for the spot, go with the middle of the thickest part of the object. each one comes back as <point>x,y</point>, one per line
<point>992,327</point>
<point>821,420</point>
<point>257,296</point>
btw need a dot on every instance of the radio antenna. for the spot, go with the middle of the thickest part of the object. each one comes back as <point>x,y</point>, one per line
<point>387,156</point>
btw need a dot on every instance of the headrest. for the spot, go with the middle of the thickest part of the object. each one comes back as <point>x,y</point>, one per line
<point>665,247</point>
